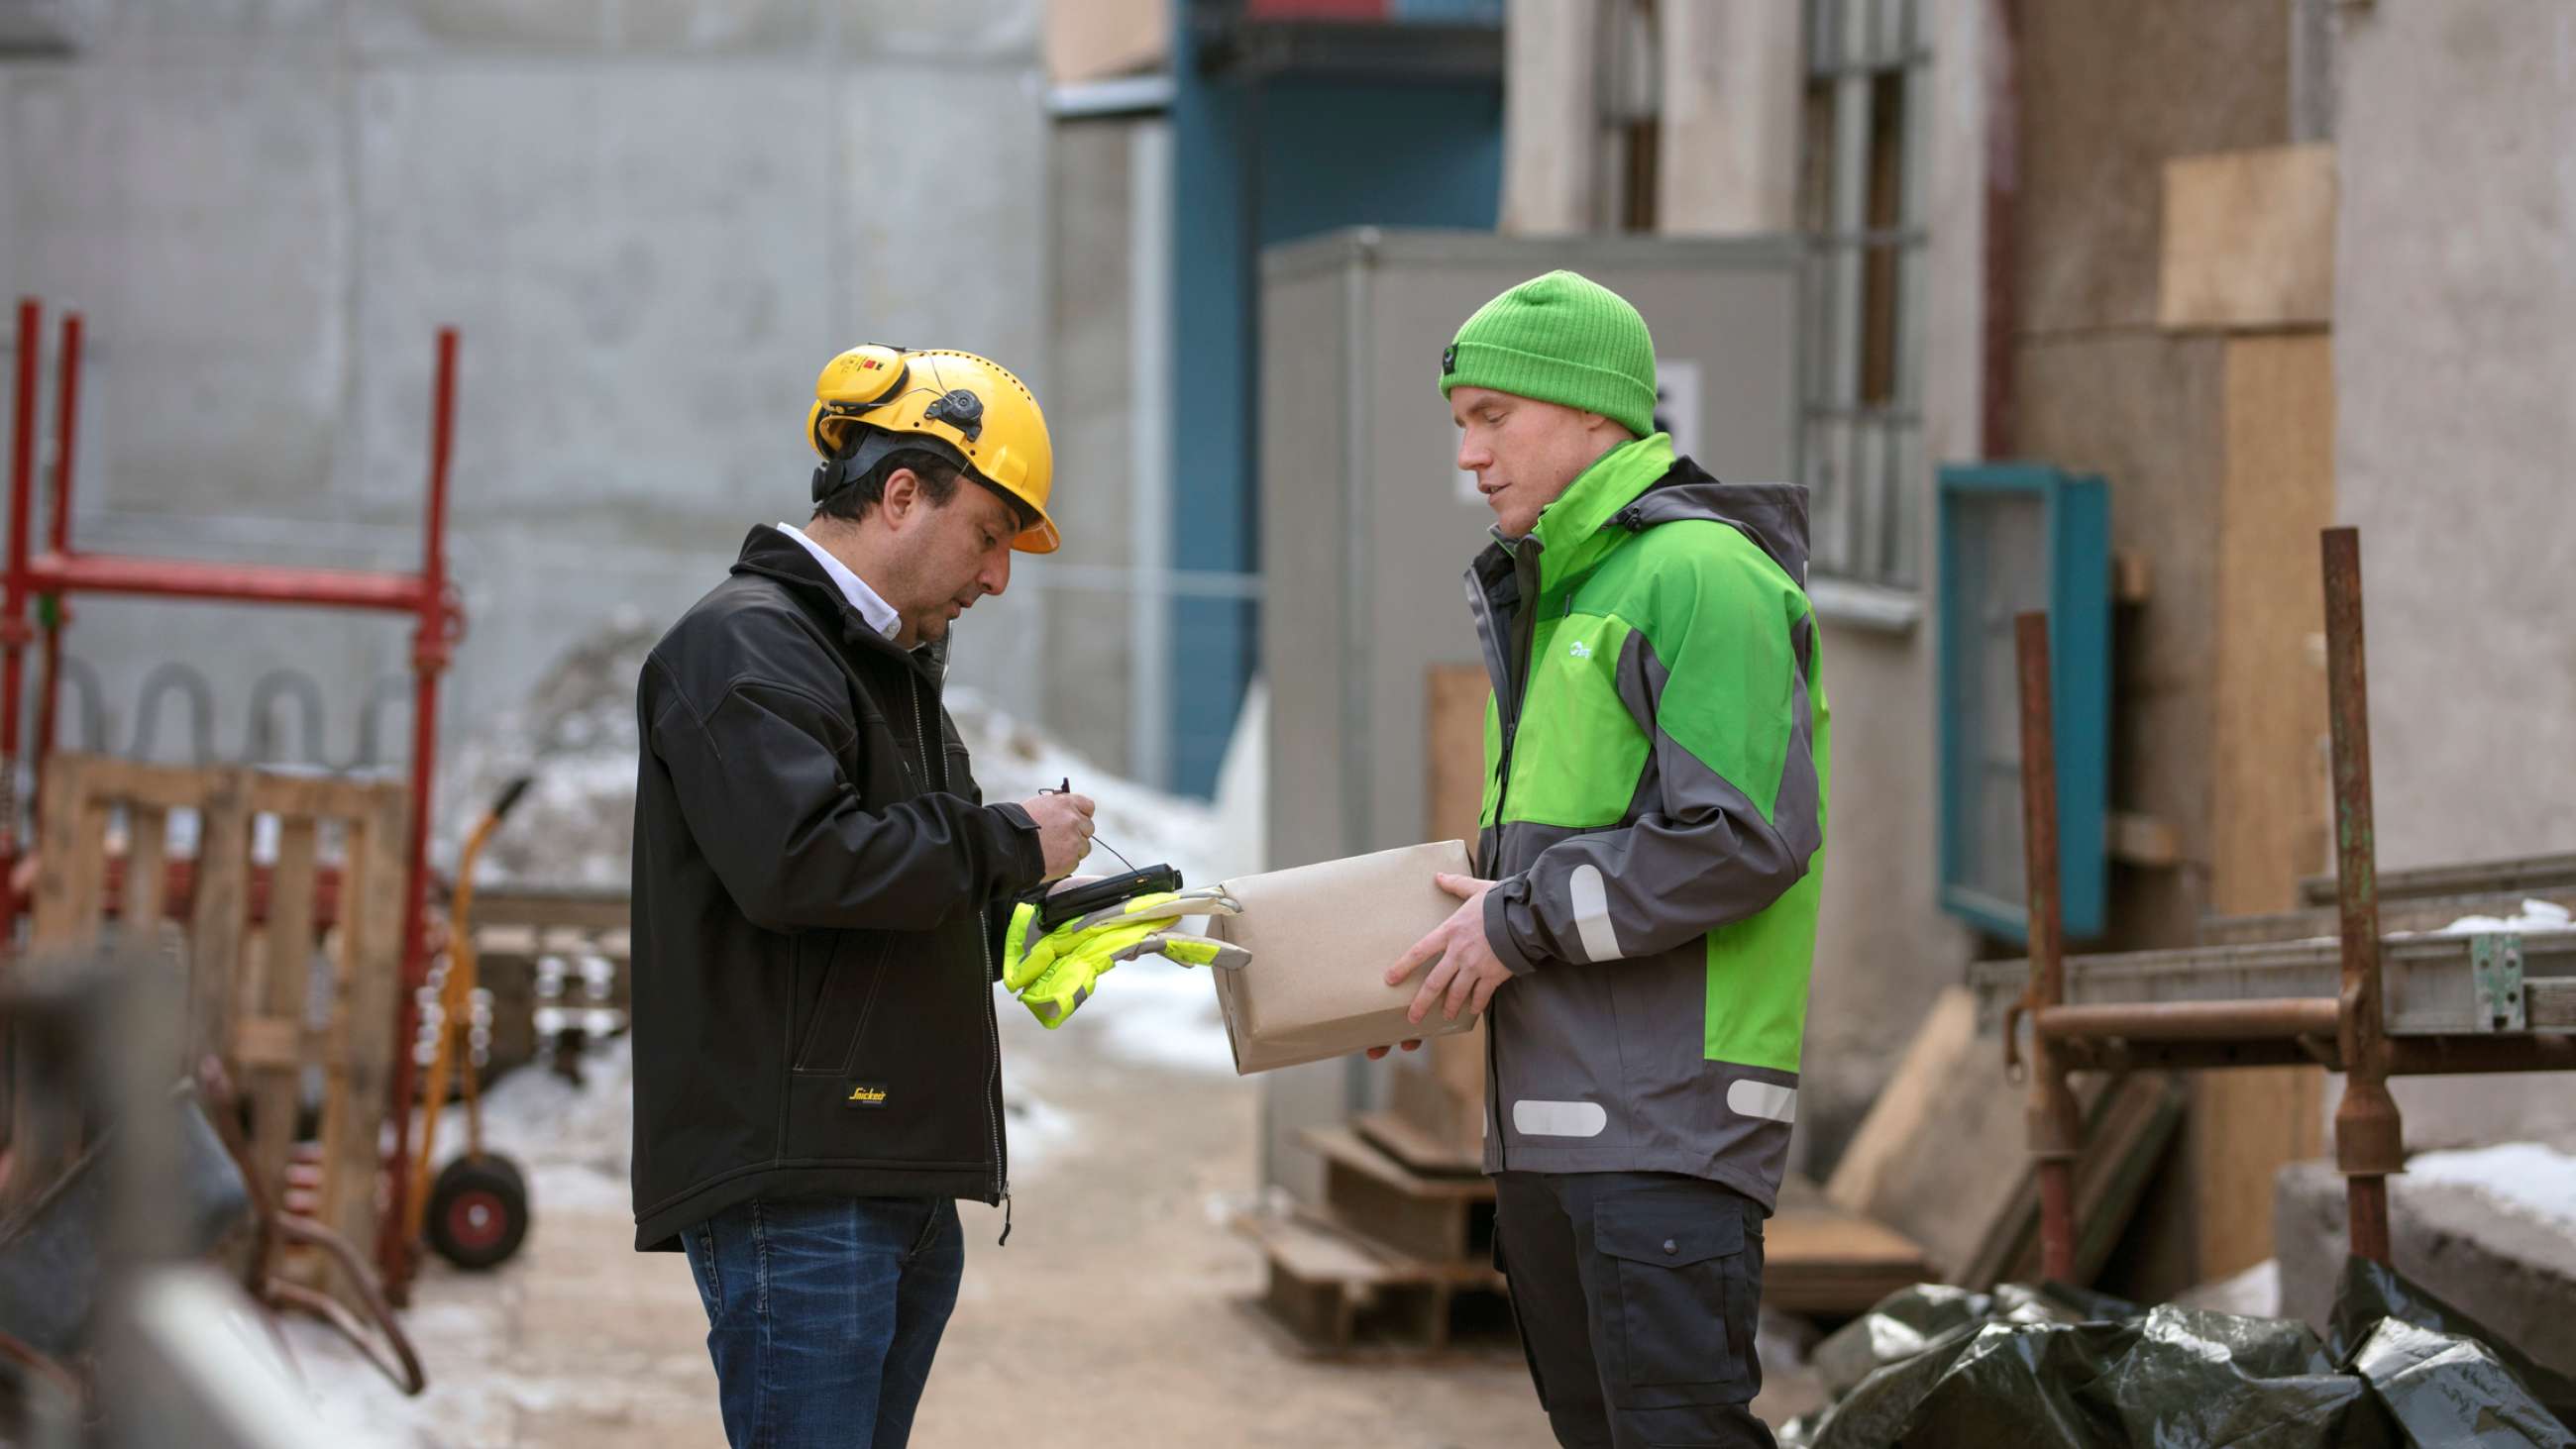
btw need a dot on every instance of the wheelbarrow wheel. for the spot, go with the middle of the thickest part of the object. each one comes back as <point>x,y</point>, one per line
<point>478,1212</point>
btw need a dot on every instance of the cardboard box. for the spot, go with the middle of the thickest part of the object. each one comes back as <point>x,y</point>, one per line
<point>1321,938</point>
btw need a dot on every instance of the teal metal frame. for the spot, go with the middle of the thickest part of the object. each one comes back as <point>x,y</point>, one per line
<point>2075,588</point>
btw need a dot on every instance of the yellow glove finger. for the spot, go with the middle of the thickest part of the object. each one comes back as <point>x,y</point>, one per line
<point>1184,949</point>
<point>1023,959</point>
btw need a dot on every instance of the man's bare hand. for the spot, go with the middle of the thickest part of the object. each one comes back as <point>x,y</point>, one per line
<point>1064,829</point>
<point>1464,969</point>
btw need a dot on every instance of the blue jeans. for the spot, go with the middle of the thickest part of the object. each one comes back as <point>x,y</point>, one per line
<point>823,1314</point>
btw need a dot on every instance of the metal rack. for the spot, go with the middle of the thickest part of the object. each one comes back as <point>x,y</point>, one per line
<point>2361,1003</point>
<point>47,580</point>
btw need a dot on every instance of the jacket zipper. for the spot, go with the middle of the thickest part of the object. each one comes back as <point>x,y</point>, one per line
<point>992,1019</point>
<point>1516,666</point>
<point>1516,671</point>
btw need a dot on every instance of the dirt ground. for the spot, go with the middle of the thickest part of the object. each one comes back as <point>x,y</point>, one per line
<point>1114,1317</point>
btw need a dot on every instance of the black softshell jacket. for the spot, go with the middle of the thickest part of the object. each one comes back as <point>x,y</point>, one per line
<point>816,896</point>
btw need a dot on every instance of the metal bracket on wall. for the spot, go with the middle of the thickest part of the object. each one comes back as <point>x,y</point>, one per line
<point>2495,966</point>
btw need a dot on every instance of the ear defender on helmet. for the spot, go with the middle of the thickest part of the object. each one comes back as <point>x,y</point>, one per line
<point>853,383</point>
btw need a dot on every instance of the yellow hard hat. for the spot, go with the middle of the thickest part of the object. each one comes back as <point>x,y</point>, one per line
<point>872,400</point>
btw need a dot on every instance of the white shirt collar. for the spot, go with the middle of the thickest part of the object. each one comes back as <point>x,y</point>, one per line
<point>879,614</point>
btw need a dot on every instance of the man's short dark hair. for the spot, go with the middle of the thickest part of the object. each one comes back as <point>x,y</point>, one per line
<point>938,483</point>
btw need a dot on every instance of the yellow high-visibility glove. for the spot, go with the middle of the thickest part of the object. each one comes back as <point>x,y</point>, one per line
<point>1059,971</point>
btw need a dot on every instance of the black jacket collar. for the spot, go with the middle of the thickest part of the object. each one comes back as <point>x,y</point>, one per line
<point>773,555</point>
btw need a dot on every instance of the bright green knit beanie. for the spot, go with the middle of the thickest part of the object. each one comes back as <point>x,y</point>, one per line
<point>1561,338</point>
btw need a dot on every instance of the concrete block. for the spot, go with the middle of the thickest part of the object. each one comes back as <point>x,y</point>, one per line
<point>2249,239</point>
<point>2510,1270</point>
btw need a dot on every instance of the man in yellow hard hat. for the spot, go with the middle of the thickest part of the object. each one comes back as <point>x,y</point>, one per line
<point>819,896</point>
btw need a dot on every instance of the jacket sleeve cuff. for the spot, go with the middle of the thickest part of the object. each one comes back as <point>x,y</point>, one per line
<point>1498,924</point>
<point>1027,856</point>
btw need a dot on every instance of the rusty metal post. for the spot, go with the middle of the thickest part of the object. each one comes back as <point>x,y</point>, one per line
<point>2369,1137</point>
<point>2055,1131</point>
<point>15,634</point>
<point>53,611</point>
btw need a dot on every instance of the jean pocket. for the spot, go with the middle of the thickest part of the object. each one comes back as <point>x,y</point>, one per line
<point>1683,1318</point>
<point>700,1245</point>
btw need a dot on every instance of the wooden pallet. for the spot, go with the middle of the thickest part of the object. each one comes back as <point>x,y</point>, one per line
<point>1330,1292</point>
<point>1829,1261</point>
<point>1416,1150</point>
<point>1443,1219</point>
<point>254,978</point>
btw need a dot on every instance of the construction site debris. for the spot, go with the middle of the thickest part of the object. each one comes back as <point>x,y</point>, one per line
<point>1941,1366</point>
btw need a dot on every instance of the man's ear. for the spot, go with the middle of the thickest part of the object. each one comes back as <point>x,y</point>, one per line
<point>902,496</point>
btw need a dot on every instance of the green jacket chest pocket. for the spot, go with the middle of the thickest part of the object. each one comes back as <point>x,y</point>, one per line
<point>1578,752</point>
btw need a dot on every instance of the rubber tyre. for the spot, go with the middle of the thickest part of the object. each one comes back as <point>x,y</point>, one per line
<point>478,1212</point>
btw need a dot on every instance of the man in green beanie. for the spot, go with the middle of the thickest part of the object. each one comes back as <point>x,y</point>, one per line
<point>1650,855</point>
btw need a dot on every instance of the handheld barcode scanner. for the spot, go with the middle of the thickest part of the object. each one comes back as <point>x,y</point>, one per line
<point>1082,900</point>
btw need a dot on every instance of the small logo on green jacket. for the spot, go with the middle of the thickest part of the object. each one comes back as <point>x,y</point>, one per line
<point>865,1094</point>
<point>1580,650</point>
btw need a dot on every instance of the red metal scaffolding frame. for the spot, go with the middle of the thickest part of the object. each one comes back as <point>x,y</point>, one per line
<point>49,578</point>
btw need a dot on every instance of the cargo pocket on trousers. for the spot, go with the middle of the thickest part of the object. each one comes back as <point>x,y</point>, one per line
<point>1683,1322</point>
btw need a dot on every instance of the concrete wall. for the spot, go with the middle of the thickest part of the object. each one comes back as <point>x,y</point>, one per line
<point>653,220</point>
<point>2455,339</point>
<point>2455,343</point>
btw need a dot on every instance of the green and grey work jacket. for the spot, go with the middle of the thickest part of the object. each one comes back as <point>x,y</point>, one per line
<point>1654,820</point>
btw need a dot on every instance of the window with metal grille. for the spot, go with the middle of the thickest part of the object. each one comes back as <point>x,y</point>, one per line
<point>1861,204</point>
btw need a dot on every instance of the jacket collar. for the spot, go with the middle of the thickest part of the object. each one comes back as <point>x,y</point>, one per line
<point>1570,532</point>
<point>1773,515</point>
<point>1637,486</point>
<point>770,554</point>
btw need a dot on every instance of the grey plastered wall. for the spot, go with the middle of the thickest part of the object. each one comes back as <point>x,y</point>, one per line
<point>1366,537</point>
<point>2455,363</point>
<point>652,221</point>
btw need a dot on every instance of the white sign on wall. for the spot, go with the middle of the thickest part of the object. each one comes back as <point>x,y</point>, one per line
<point>1677,411</point>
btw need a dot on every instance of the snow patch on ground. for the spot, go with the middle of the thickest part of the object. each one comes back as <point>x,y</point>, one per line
<point>577,1135</point>
<point>1163,1015</point>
